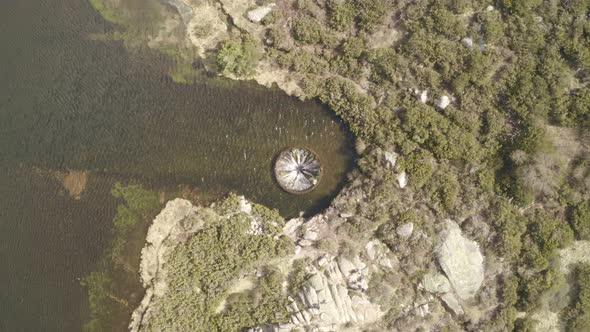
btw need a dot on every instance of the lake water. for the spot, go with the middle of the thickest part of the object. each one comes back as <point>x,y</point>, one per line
<point>70,102</point>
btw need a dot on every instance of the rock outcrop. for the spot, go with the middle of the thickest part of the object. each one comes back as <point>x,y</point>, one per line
<point>436,283</point>
<point>258,14</point>
<point>325,302</point>
<point>461,260</point>
<point>178,219</point>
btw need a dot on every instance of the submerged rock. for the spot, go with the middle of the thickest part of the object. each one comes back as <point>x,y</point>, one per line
<point>297,170</point>
<point>184,10</point>
<point>461,261</point>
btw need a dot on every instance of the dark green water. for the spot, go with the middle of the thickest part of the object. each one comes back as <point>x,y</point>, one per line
<point>69,102</point>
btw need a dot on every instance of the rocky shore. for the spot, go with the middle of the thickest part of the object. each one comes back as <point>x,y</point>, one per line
<point>342,291</point>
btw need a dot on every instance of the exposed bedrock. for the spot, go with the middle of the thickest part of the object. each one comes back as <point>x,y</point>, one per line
<point>461,260</point>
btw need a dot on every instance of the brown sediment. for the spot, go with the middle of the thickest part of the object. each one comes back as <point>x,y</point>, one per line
<point>73,181</point>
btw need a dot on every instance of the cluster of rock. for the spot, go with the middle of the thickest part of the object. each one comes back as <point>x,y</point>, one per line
<point>325,301</point>
<point>443,102</point>
<point>390,158</point>
<point>335,297</point>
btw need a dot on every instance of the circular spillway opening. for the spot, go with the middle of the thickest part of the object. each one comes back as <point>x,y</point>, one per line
<point>297,170</point>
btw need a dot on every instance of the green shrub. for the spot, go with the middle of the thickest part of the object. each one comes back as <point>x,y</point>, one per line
<point>580,220</point>
<point>509,225</point>
<point>577,315</point>
<point>340,14</point>
<point>308,30</point>
<point>370,13</point>
<point>419,166</point>
<point>549,232</point>
<point>520,7</point>
<point>203,269</point>
<point>525,324</point>
<point>492,26</point>
<point>238,57</point>
<point>298,275</point>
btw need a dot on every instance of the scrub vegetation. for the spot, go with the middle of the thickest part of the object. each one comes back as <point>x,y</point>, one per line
<point>577,315</point>
<point>509,146</point>
<point>203,270</point>
<point>487,104</point>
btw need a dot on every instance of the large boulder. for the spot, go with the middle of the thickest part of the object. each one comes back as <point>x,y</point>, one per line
<point>258,14</point>
<point>461,260</point>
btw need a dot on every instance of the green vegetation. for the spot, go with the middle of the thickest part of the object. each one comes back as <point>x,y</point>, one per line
<point>490,152</point>
<point>238,57</point>
<point>203,269</point>
<point>577,315</point>
<point>504,157</point>
<point>298,275</point>
<point>580,220</point>
<point>107,298</point>
<point>108,11</point>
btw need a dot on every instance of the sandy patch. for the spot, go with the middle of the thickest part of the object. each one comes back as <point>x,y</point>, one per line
<point>207,27</point>
<point>577,253</point>
<point>267,76</point>
<point>547,320</point>
<point>241,285</point>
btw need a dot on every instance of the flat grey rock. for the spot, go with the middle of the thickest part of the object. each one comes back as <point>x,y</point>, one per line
<point>258,14</point>
<point>461,260</point>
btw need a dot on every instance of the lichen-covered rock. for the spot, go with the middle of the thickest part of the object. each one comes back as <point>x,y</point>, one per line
<point>451,301</point>
<point>461,260</point>
<point>402,180</point>
<point>185,11</point>
<point>436,283</point>
<point>390,158</point>
<point>405,230</point>
<point>443,102</point>
<point>467,42</point>
<point>325,301</point>
<point>291,227</point>
<point>258,14</point>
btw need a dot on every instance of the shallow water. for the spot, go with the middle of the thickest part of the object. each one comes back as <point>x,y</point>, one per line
<point>69,102</point>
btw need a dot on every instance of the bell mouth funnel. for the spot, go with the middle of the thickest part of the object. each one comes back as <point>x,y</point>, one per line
<point>297,170</point>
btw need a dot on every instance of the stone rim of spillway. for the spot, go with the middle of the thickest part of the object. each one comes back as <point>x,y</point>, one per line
<point>297,170</point>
